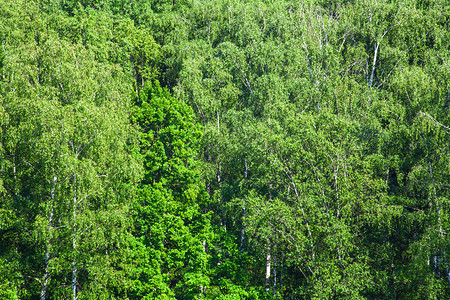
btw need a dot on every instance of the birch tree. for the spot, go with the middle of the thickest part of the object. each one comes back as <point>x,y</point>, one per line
<point>70,153</point>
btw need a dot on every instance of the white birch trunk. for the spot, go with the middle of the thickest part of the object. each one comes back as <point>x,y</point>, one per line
<point>74,240</point>
<point>447,271</point>
<point>374,63</point>
<point>219,171</point>
<point>281,272</point>
<point>46,276</point>
<point>274,275</point>
<point>268,269</point>
<point>15,173</point>
<point>335,174</point>
<point>243,230</point>
<point>313,253</point>
<point>218,121</point>
<point>243,211</point>
<point>202,288</point>
<point>441,233</point>
<point>336,190</point>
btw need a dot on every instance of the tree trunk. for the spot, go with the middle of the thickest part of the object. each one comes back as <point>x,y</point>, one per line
<point>374,63</point>
<point>74,240</point>
<point>447,271</point>
<point>313,253</point>
<point>243,211</point>
<point>281,272</point>
<point>268,269</point>
<point>202,288</point>
<point>274,275</point>
<point>243,229</point>
<point>46,277</point>
<point>437,258</point>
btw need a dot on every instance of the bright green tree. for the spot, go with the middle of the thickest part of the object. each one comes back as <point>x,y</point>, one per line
<point>170,220</point>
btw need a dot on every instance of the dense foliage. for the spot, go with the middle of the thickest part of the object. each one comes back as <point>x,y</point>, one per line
<point>238,149</point>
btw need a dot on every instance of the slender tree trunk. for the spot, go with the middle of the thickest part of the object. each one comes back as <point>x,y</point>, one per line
<point>313,253</point>
<point>15,190</point>
<point>268,269</point>
<point>394,281</point>
<point>437,257</point>
<point>439,221</point>
<point>219,171</point>
<point>74,240</point>
<point>274,275</point>
<point>374,63</point>
<point>243,211</point>
<point>222,214</point>
<point>218,121</point>
<point>46,277</point>
<point>281,272</point>
<point>447,271</point>
<point>336,190</point>
<point>243,229</point>
<point>202,288</point>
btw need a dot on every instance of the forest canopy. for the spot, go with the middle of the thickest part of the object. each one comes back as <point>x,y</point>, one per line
<point>224,149</point>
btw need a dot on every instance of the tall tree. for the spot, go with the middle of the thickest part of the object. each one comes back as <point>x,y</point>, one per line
<point>170,222</point>
<point>69,166</point>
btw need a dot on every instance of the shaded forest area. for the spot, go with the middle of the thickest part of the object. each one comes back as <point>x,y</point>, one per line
<point>224,149</point>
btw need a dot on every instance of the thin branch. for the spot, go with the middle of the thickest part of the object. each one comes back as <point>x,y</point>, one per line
<point>446,129</point>
<point>32,277</point>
